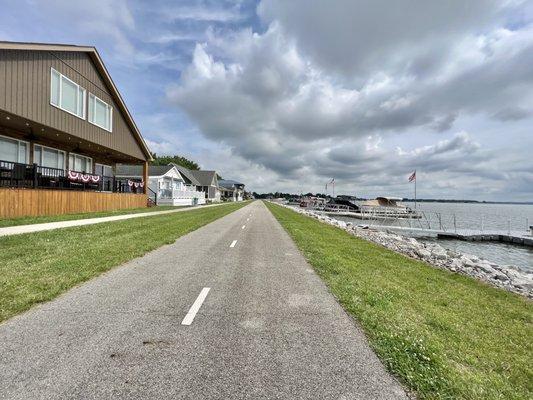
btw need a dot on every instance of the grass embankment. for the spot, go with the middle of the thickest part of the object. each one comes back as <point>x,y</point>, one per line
<point>69,217</point>
<point>446,336</point>
<point>37,267</point>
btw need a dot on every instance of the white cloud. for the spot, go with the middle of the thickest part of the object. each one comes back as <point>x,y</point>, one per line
<point>203,13</point>
<point>302,99</point>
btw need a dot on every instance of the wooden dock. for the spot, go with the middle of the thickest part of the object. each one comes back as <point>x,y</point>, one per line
<point>489,237</point>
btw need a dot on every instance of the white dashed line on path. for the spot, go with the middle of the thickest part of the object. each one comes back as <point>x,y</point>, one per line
<point>195,307</point>
<point>233,243</point>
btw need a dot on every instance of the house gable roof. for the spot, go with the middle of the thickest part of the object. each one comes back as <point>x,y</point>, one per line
<point>187,175</point>
<point>229,184</point>
<point>206,178</point>
<point>99,64</point>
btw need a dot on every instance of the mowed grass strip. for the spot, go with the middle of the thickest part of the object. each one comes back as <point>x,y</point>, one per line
<point>37,267</point>
<point>446,336</point>
<point>5,222</point>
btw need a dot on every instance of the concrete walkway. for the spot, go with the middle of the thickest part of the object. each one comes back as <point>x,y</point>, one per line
<point>229,311</point>
<point>48,226</point>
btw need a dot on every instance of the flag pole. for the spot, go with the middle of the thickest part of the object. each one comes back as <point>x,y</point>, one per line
<point>415,188</point>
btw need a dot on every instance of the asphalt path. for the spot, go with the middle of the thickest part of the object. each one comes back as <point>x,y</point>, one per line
<point>229,311</point>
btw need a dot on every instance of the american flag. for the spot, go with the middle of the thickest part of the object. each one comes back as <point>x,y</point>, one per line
<point>412,177</point>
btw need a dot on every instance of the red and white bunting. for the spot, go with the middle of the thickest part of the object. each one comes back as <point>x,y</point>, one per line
<point>84,178</point>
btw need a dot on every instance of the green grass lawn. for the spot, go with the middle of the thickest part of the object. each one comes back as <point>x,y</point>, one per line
<point>68,217</point>
<point>37,267</point>
<point>446,336</point>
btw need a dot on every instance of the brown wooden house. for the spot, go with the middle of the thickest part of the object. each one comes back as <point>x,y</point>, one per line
<point>63,128</point>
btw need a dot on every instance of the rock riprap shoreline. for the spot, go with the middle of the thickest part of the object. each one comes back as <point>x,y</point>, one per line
<point>506,277</point>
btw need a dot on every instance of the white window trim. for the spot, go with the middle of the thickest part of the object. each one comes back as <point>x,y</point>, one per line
<point>51,148</point>
<point>84,106</point>
<point>27,148</point>
<point>94,108</point>
<point>80,155</point>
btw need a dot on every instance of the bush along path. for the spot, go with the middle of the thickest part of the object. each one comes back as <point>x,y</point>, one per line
<point>445,335</point>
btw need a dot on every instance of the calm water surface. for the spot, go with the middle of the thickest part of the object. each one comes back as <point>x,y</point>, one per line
<point>476,217</point>
<point>498,253</point>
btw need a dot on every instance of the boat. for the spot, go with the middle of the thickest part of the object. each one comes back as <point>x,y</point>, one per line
<point>380,208</point>
<point>387,207</point>
<point>344,203</point>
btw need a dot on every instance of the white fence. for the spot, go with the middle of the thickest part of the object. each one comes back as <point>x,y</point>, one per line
<point>180,194</point>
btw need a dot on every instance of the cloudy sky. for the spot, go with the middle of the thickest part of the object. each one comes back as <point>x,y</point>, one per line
<point>286,95</point>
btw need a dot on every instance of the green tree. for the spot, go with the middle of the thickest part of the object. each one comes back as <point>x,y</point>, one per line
<point>184,162</point>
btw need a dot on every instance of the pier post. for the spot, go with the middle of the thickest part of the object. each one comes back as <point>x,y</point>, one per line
<point>481,223</point>
<point>454,224</point>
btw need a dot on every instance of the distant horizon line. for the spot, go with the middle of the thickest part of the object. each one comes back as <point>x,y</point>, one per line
<point>410,199</point>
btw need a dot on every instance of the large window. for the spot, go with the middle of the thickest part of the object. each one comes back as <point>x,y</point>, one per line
<point>80,163</point>
<point>104,170</point>
<point>48,157</point>
<point>100,113</point>
<point>14,150</point>
<point>67,95</point>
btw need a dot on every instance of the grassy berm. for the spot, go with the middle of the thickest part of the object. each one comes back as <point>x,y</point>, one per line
<point>444,335</point>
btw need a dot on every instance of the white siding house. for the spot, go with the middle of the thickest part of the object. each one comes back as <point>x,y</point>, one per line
<point>167,183</point>
<point>205,181</point>
<point>231,190</point>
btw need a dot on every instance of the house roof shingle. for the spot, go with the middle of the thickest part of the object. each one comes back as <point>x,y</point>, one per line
<point>206,178</point>
<point>187,175</point>
<point>229,183</point>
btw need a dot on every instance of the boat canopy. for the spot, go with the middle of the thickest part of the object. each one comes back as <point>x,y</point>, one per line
<point>389,198</point>
<point>383,201</point>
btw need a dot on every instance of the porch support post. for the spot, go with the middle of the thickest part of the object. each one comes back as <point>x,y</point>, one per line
<point>145,177</point>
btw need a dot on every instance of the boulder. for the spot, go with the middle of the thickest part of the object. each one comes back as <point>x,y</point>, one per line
<point>485,267</point>
<point>439,253</point>
<point>423,253</point>
<point>499,276</point>
<point>524,284</point>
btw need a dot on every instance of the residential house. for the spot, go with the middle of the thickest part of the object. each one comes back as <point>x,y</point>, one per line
<point>187,175</point>
<point>208,184</point>
<point>167,185</point>
<point>231,190</point>
<point>205,181</point>
<point>64,125</point>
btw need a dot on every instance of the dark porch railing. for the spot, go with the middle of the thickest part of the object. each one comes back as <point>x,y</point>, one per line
<point>17,175</point>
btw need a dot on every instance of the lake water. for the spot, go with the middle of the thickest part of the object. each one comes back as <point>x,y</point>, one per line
<point>475,218</point>
<point>498,253</point>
